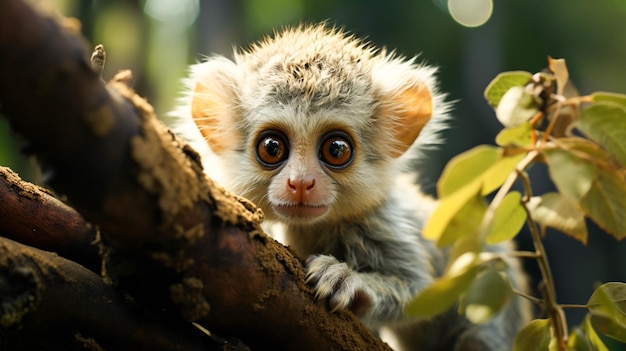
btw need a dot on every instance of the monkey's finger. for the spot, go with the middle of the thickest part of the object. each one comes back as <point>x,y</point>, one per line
<point>343,297</point>
<point>326,274</point>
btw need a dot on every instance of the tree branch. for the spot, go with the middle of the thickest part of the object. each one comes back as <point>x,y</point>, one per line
<point>52,303</point>
<point>34,217</point>
<point>176,241</point>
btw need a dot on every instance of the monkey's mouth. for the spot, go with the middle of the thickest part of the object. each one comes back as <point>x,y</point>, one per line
<point>300,211</point>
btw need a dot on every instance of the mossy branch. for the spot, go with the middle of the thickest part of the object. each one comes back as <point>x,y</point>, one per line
<point>173,240</point>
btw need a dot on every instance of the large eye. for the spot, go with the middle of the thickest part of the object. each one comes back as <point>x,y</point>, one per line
<point>271,149</point>
<point>336,150</point>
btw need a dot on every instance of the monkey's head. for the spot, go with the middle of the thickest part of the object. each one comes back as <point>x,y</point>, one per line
<point>312,125</point>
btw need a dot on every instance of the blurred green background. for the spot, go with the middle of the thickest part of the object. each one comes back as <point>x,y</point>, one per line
<point>158,39</point>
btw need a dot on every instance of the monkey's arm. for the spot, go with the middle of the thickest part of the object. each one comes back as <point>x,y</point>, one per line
<point>373,296</point>
<point>381,263</point>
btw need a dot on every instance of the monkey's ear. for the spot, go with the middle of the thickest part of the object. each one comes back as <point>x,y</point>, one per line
<point>214,101</point>
<point>406,101</point>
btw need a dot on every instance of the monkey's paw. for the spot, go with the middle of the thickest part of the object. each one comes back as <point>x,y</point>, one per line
<point>335,281</point>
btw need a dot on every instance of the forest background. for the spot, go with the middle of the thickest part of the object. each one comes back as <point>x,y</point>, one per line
<point>158,39</point>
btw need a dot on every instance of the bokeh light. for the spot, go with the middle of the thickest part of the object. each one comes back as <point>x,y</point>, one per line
<point>182,12</point>
<point>470,13</point>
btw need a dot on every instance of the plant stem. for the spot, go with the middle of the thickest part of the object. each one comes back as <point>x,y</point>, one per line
<point>572,306</point>
<point>555,311</point>
<point>522,254</point>
<point>489,215</point>
<point>555,117</point>
<point>530,298</point>
<point>557,316</point>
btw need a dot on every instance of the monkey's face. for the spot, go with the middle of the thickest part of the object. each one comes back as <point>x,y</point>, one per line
<point>302,190</point>
<point>312,124</point>
<point>304,166</point>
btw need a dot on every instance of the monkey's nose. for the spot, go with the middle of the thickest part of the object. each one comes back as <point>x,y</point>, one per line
<point>301,184</point>
<point>300,188</point>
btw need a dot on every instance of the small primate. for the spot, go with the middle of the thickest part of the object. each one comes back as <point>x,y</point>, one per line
<point>321,130</point>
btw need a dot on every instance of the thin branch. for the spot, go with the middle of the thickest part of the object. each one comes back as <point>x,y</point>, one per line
<point>557,316</point>
<point>523,254</point>
<point>573,306</point>
<point>489,215</point>
<point>536,301</point>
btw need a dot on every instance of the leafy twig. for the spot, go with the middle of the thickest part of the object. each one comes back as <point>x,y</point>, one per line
<point>557,316</point>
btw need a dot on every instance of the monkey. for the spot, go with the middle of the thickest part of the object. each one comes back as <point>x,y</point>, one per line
<point>320,129</point>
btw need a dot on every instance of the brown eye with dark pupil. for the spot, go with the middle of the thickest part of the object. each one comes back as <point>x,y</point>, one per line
<point>271,151</point>
<point>336,152</point>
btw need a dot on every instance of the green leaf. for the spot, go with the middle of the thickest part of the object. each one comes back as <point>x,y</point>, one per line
<point>572,175</point>
<point>585,175</point>
<point>465,179</point>
<point>606,325</point>
<point>608,310</point>
<point>605,202</point>
<point>585,338</point>
<point>516,136</point>
<point>508,219</point>
<point>534,336</point>
<point>502,83</point>
<point>486,296</point>
<point>464,222</point>
<point>611,299</point>
<point>606,124</point>
<point>579,341</point>
<point>588,150</point>
<point>443,293</point>
<point>447,208</point>
<point>557,211</point>
<point>485,167</point>
<point>602,96</point>
<point>595,340</point>
<point>467,244</point>
<point>517,106</point>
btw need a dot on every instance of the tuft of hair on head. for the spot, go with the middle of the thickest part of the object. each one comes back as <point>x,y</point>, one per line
<point>407,97</point>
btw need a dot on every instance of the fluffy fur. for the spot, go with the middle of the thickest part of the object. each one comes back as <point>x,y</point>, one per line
<point>366,253</point>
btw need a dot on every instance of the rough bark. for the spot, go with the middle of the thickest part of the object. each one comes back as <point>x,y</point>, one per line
<point>50,303</point>
<point>33,216</point>
<point>173,240</point>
